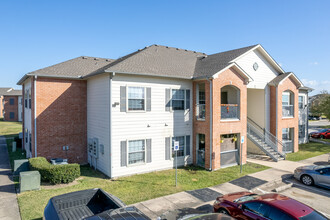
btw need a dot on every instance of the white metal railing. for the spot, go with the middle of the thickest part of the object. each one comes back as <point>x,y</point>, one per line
<point>200,111</point>
<point>287,110</point>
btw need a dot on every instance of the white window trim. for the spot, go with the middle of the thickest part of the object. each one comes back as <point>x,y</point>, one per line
<point>185,99</point>
<point>145,152</point>
<point>184,147</point>
<point>303,101</point>
<point>145,98</point>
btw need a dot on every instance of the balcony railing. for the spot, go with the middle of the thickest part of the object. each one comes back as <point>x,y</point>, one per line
<point>200,111</point>
<point>229,111</point>
<point>287,110</point>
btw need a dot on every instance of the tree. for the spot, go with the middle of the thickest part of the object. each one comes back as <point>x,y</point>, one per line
<point>325,106</point>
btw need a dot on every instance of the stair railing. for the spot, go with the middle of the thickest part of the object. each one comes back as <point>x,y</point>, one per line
<point>265,136</point>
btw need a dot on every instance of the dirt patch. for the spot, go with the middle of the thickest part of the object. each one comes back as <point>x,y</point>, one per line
<point>45,185</point>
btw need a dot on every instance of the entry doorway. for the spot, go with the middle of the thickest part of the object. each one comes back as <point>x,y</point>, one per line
<point>229,150</point>
<point>200,148</point>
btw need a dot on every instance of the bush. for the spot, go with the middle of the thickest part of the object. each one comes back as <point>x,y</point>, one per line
<point>55,174</point>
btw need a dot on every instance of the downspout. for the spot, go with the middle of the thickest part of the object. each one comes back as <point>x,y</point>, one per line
<point>111,75</point>
<point>211,122</point>
<point>35,117</point>
<point>307,124</point>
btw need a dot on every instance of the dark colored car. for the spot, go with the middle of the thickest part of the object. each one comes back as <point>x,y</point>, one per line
<point>208,216</point>
<point>91,204</point>
<point>320,134</point>
<point>246,205</point>
<point>203,212</point>
<point>313,174</point>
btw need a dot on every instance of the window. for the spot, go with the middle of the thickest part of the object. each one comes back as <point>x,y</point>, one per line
<point>285,99</point>
<point>26,98</point>
<point>257,208</point>
<point>224,97</point>
<point>301,102</point>
<point>136,99</point>
<point>29,98</point>
<point>11,115</point>
<point>285,134</point>
<point>178,99</point>
<point>278,214</point>
<point>136,151</point>
<point>180,152</point>
<point>301,131</point>
<point>11,101</point>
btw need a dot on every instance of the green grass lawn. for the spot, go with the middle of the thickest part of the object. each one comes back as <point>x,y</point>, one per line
<point>135,188</point>
<point>10,130</point>
<point>308,150</point>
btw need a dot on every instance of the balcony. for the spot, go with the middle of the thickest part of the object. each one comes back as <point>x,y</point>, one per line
<point>287,111</point>
<point>200,111</point>
<point>229,111</point>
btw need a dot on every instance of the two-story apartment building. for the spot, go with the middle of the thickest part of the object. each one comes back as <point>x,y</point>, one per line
<point>12,105</point>
<point>123,116</point>
<point>3,90</point>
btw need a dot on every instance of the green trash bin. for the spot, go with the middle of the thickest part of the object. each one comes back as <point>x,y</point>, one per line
<point>29,180</point>
<point>21,166</point>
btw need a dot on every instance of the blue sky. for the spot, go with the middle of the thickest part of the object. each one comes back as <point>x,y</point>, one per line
<point>36,34</point>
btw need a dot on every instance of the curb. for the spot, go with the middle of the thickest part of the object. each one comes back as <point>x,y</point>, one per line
<point>274,182</point>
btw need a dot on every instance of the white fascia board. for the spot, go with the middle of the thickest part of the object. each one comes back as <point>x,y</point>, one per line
<point>240,71</point>
<point>265,53</point>
<point>295,77</point>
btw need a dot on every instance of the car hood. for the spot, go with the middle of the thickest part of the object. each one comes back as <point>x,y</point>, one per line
<point>307,167</point>
<point>232,196</point>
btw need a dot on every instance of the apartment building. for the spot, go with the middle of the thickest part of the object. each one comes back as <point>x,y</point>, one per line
<point>123,116</point>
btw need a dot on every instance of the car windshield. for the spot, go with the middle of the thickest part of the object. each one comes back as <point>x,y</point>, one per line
<point>246,198</point>
<point>323,130</point>
<point>313,216</point>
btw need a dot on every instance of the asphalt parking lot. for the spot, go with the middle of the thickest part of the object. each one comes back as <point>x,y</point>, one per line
<point>314,196</point>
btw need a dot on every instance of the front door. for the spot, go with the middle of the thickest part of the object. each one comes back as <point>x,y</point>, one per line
<point>200,150</point>
<point>229,154</point>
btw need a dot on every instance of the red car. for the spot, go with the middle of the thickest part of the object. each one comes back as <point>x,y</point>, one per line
<point>246,205</point>
<point>321,133</point>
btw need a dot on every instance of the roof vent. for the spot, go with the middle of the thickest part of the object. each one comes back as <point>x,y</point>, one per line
<point>166,46</point>
<point>84,57</point>
<point>177,48</point>
<point>96,58</point>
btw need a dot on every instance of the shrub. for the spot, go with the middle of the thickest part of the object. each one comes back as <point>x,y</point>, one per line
<point>55,174</point>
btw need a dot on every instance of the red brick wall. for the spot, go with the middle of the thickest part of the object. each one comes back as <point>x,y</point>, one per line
<point>1,106</point>
<point>288,84</point>
<point>61,118</point>
<point>202,126</point>
<point>228,77</point>
<point>10,108</point>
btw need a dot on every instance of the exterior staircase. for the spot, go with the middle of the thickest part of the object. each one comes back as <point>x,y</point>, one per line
<point>263,139</point>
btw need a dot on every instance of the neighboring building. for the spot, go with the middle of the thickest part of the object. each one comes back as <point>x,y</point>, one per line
<point>2,92</point>
<point>303,106</point>
<point>123,116</point>
<point>12,105</point>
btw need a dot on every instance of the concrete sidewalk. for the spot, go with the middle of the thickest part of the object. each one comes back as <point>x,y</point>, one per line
<point>202,199</point>
<point>8,201</point>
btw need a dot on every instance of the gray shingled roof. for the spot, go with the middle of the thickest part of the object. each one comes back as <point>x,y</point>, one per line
<point>76,67</point>
<point>278,79</point>
<point>13,92</point>
<point>4,90</point>
<point>212,64</point>
<point>154,60</point>
<point>158,60</point>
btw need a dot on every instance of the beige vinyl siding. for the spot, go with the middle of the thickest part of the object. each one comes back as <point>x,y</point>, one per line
<point>156,124</point>
<point>265,72</point>
<point>98,116</point>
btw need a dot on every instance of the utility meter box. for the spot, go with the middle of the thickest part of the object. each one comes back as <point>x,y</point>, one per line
<point>29,180</point>
<point>21,166</point>
<point>90,145</point>
<point>95,151</point>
